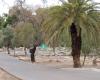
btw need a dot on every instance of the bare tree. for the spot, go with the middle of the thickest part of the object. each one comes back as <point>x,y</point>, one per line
<point>20,2</point>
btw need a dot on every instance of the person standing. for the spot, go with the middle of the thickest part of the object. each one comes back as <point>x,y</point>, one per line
<point>33,50</point>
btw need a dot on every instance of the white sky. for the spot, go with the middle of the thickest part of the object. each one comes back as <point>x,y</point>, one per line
<point>4,7</point>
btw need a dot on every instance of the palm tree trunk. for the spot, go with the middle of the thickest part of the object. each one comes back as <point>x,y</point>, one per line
<point>76,45</point>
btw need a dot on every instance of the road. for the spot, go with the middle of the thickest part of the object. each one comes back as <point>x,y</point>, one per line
<point>29,71</point>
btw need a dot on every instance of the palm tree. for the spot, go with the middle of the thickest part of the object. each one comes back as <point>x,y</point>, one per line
<point>77,17</point>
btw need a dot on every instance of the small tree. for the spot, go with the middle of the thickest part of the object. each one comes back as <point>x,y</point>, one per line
<point>24,35</point>
<point>1,38</point>
<point>8,36</point>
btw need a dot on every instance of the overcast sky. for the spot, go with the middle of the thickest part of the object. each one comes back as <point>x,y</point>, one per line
<point>4,6</point>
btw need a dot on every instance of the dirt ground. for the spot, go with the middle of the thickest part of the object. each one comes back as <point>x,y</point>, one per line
<point>60,61</point>
<point>6,76</point>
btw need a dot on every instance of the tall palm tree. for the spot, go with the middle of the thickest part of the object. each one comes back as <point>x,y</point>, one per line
<point>78,17</point>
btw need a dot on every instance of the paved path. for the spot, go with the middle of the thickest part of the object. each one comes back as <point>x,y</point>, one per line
<point>28,71</point>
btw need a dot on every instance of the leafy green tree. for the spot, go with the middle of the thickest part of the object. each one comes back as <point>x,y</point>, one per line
<point>76,17</point>
<point>8,20</point>
<point>24,35</point>
<point>1,38</point>
<point>8,36</point>
<point>1,22</point>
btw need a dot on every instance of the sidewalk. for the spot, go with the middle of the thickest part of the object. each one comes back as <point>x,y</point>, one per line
<point>29,71</point>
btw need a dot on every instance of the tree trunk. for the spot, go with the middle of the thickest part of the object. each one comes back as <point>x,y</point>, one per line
<point>25,51</point>
<point>14,52</point>
<point>76,45</point>
<point>54,50</point>
<point>8,47</point>
<point>8,50</point>
<point>84,59</point>
<point>53,46</point>
<point>95,61</point>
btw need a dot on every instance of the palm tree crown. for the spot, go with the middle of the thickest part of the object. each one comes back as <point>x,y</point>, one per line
<point>84,13</point>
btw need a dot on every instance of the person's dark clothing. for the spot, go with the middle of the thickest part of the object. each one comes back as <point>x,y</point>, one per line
<point>32,51</point>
